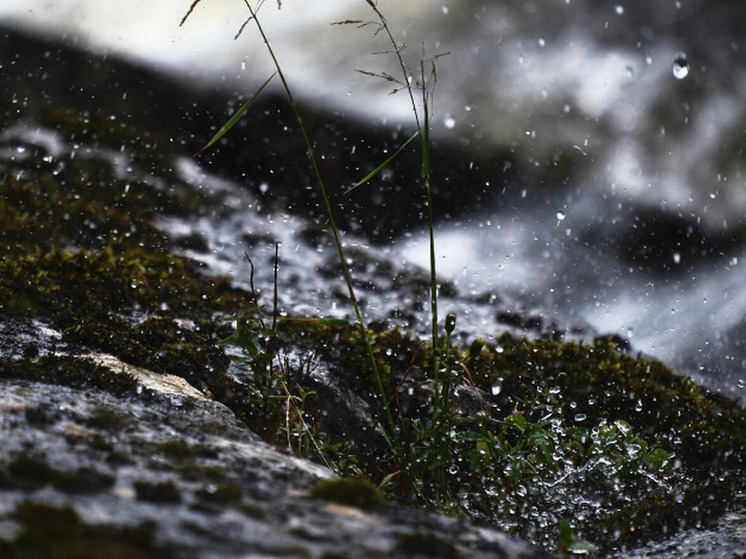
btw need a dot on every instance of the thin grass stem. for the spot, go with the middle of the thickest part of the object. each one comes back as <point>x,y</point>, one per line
<point>391,425</point>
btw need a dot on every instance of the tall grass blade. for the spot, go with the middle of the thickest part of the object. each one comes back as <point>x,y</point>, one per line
<point>382,166</point>
<point>235,118</point>
<point>333,226</point>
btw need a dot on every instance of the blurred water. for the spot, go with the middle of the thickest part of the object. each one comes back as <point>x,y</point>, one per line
<point>628,114</point>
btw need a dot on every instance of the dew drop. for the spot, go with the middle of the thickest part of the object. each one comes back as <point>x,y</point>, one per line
<point>497,387</point>
<point>680,66</point>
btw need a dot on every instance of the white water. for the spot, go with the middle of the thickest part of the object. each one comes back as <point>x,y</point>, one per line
<point>541,77</point>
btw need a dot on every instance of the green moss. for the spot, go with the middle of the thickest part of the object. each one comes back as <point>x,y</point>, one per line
<point>163,492</point>
<point>53,532</point>
<point>223,493</point>
<point>354,491</point>
<point>108,420</point>
<point>84,480</point>
<point>32,472</point>
<point>29,471</point>
<point>69,371</point>
<point>427,545</point>
<point>175,450</point>
<point>190,471</point>
<point>73,287</point>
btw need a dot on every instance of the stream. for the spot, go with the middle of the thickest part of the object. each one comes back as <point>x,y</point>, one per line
<point>626,120</point>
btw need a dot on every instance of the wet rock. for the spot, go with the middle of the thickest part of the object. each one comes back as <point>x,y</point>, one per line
<point>161,471</point>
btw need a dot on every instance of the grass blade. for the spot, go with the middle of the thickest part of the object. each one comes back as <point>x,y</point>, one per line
<point>235,118</point>
<point>378,169</point>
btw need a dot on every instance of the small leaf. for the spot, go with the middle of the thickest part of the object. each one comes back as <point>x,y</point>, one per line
<point>378,169</point>
<point>235,118</point>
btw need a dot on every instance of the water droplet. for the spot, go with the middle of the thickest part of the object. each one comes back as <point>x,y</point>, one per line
<point>680,66</point>
<point>619,9</point>
<point>580,417</point>
<point>542,42</point>
<point>561,215</point>
<point>676,258</point>
<point>449,122</point>
<point>497,386</point>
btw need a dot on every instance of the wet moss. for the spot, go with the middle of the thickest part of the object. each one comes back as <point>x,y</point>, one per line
<point>48,531</point>
<point>27,472</point>
<point>70,371</point>
<point>162,492</point>
<point>84,480</point>
<point>175,450</point>
<point>73,287</point>
<point>354,491</point>
<point>426,544</point>
<point>189,471</point>
<point>108,420</point>
<point>30,472</point>
<point>222,493</point>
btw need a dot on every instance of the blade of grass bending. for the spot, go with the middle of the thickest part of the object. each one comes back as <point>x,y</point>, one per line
<point>380,168</point>
<point>335,231</point>
<point>235,118</point>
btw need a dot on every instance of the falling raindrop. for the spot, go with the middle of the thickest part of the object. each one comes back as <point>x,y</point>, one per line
<point>561,215</point>
<point>497,386</point>
<point>680,66</point>
<point>619,9</point>
<point>449,122</point>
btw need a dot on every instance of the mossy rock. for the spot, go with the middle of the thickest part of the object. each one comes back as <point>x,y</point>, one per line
<point>354,491</point>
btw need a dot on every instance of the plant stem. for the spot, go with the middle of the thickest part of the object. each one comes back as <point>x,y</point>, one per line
<point>337,239</point>
<point>424,133</point>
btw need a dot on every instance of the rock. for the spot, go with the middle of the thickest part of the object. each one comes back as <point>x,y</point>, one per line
<point>161,471</point>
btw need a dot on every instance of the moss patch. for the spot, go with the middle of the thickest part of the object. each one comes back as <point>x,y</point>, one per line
<point>354,491</point>
<point>49,531</point>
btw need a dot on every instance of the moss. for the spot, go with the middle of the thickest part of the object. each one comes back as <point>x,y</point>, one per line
<point>427,545</point>
<point>72,287</point>
<point>84,480</point>
<point>30,472</point>
<point>222,493</point>
<point>48,531</point>
<point>354,491</point>
<point>69,371</point>
<point>175,449</point>
<point>190,471</point>
<point>163,492</point>
<point>108,420</point>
